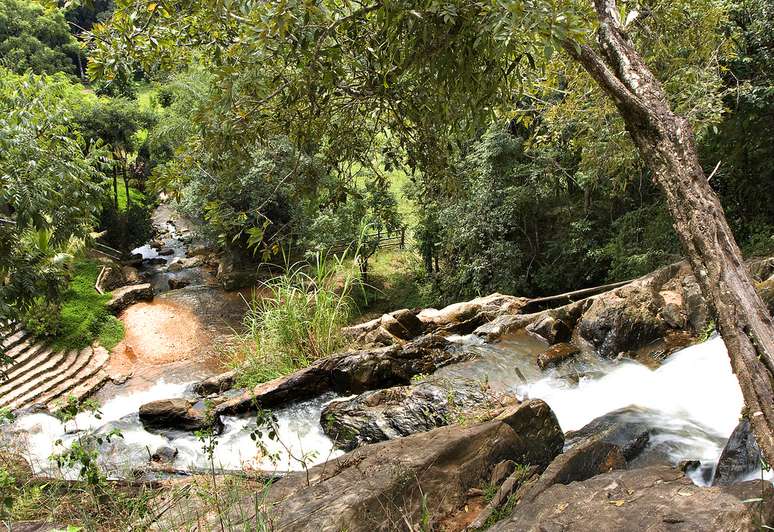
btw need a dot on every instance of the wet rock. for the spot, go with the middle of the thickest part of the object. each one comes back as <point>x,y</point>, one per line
<point>654,498</point>
<point>177,414</point>
<point>164,455</point>
<point>111,277</point>
<point>556,354</point>
<point>165,252</point>
<point>628,428</point>
<point>353,371</point>
<point>157,244</point>
<point>176,284</point>
<point>627,318</point>
<point>551,329</point>
<point>129,295</point>
<point>740,457</point>
<point>380,486</point>
<point>215,384</point>
<point>402,410</point>
<point>154,261</point>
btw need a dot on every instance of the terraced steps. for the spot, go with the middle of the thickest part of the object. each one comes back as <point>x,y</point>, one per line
<point>40,375</point>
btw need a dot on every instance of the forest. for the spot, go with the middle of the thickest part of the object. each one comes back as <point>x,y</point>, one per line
<point>246,211</point>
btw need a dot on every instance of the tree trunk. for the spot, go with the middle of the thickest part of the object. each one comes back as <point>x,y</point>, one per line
<point>125,177</point>
<point>115,187</point>
<point>667,145</point>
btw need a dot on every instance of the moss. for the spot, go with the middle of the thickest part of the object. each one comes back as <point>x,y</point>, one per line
<point>83,314</point>
<point>111,332</point>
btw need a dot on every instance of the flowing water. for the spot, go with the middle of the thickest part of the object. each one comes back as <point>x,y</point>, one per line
<point>300,438</point>
<point>692,403</point>
<point>175,237</point>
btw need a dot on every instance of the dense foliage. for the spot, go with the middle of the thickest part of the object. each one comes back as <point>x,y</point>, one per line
<point>37,38</point>
<point>532,186</point>
<point>50,188</point>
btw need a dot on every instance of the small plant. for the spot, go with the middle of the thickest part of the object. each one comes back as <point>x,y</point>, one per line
<point>209,440</point>
<point>707,332</point>
<point>7,493</point>
<point>6,416</point>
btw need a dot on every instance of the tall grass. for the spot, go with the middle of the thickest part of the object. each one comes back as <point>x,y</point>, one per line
<point>297,319</point>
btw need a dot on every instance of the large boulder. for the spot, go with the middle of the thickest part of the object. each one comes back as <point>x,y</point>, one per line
<point>631,317</point>
<point>386,486</point>
<point>129,295</point>
<point>177,414</point>
<point>353,371</point>
<point>216,384</point>
<point>740,458</point>
<point>396,327</point>
<point>628,428</point>
<point>402,410</point>
<point>459,318</point>
<point>551,328</point>
<point>653,498</point>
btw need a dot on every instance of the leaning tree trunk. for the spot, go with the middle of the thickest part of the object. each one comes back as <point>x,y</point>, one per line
<point>667,145</point>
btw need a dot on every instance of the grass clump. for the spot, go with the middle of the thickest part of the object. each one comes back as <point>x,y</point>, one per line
<point>298,320</point>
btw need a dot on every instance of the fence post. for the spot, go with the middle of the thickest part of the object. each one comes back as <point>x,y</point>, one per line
<point>402,236</point>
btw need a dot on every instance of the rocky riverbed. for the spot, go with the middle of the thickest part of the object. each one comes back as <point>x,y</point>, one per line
<point>612,398</point>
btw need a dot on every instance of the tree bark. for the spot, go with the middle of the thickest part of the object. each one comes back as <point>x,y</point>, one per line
<point>666,143</point>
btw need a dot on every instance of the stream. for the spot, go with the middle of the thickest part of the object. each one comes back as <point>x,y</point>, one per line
<point>692,400</point>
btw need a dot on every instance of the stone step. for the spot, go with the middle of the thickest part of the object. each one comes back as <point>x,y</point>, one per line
<point>39,353</point>
<point>15,339</point>
<point>7,331</point>
<point>45,362</point>
<point>29,392</point>
<point>36,353</point>
<point>21,353</point>
<point>82,383</point>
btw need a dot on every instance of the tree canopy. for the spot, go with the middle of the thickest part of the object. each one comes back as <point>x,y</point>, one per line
<point>37,38</point>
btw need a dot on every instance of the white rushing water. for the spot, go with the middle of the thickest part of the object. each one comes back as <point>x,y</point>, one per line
<point>300,438</point>
<point>692,403</point>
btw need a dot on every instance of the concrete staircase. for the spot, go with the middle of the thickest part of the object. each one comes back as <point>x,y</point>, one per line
<point>40,375</point>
